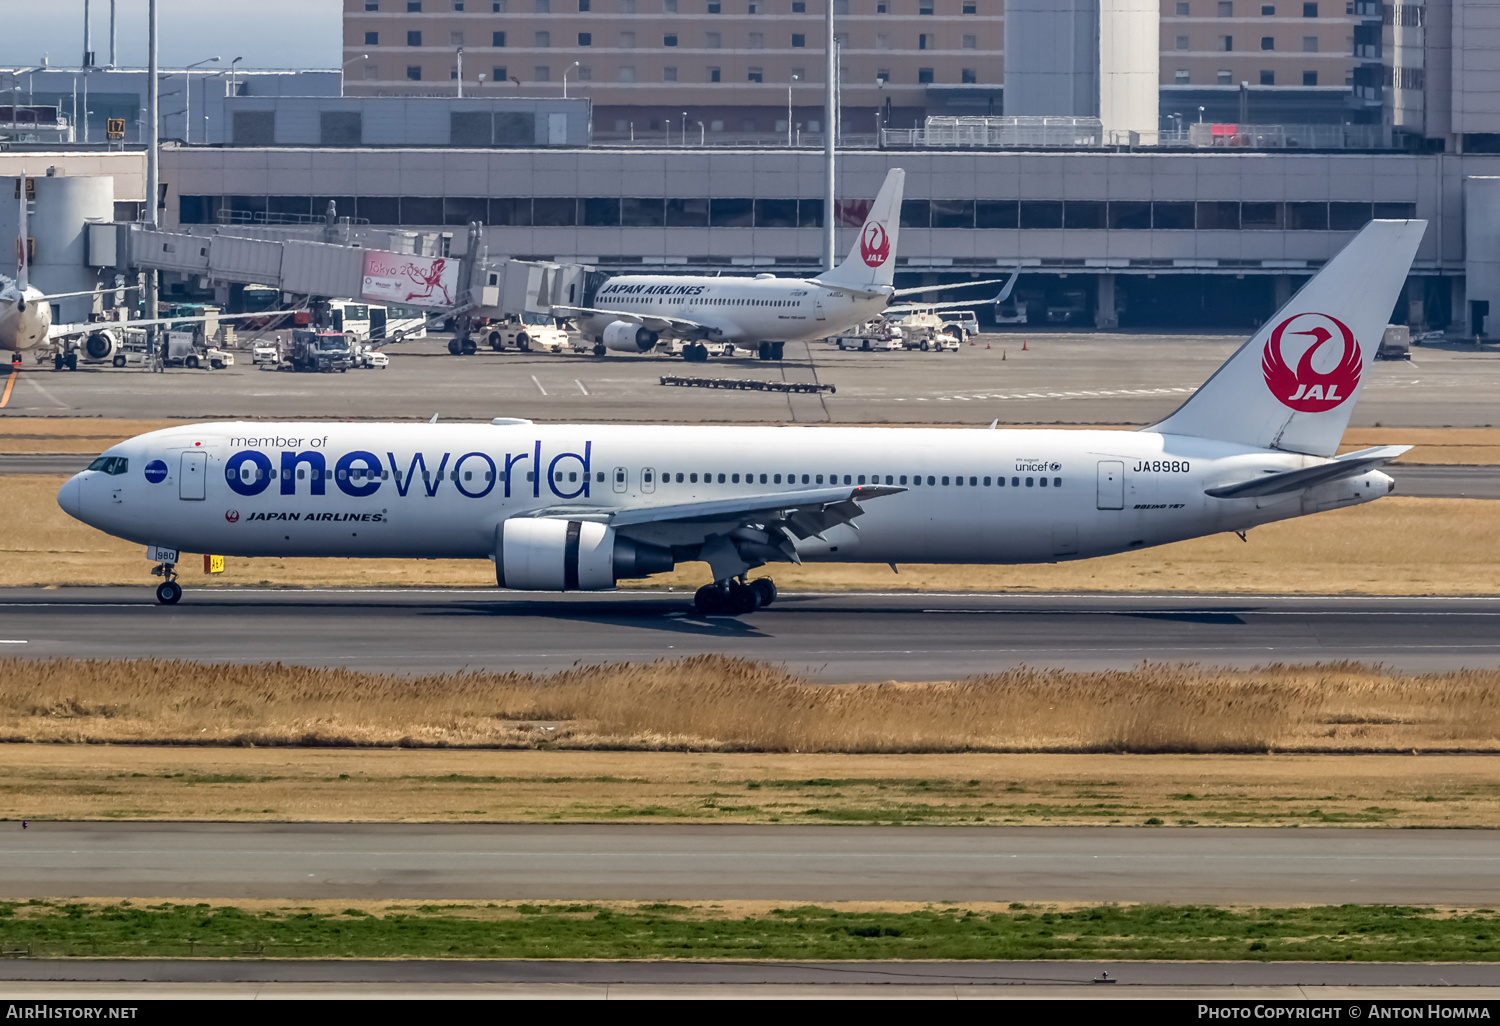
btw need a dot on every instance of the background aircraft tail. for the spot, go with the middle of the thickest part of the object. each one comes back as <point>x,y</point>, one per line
<point>1293,386</point>
<point>871,263</point>
<point>23,270</point>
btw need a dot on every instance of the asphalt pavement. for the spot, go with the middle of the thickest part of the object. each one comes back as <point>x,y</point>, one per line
<point>827,636</point>
<point>686,862</point>
<point>1020,377</point>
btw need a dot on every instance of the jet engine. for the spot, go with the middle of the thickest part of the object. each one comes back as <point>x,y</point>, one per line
<point>570,555</point>
<point>101,346</point>
<point>625,337</point>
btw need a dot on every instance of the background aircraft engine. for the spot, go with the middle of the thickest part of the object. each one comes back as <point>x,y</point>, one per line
<point>624,337</point>
<point>570,555</point>
<point>100,345</point>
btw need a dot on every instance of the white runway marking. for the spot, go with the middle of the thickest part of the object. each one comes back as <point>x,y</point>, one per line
<point>538,384</point>
<point>5,642</point>
<point>30,379</point>
<point>580,386</point>
<point>1107,394</point>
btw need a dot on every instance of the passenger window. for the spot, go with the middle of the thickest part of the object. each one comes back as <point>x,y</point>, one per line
<point>572,475</point>
<point>531,475</point>
<point>847,481</point>
<point>945,482</point>
<point>762,479</point>
<point>1057,482</point>
<point>986,482</point>
<point>933,480</point>
<point>468,475</point>
<point>1015,482</point>
<point>647,476</point>
<point>861,479</point>
<point>1044,482</point>
<point>888,479</point>
<point>721,478</point>
<point>619,477</point>
<point>804,479</point>
<point>1028,482</point>
<point>599,477</point>
<point>693,478</point>
<point>302,474</point>
<point>679,479</point>
<point>974,482</point>
<point>820,479</point>
<point>736,479</point>
<point>903,479</point>
<point>776,479</point>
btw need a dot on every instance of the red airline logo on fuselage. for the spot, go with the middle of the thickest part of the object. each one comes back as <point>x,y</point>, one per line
<point>875,244</point>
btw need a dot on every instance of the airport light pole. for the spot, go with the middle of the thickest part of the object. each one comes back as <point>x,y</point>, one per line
<point>362,57</point>
<point>828,158</point>
<point>153,169</point>
<point>187,97</point>
<point>575,64</point>
<point>789,110</point>
<point>684,128</point>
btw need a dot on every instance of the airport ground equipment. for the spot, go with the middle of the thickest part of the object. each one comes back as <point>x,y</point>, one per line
<point>319,351</point>
<point>1395,344</point>
<point>877,335</point>
<point>188,349</point>
<point>740,385</point>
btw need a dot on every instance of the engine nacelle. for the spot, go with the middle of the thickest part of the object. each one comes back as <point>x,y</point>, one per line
<point>101,345</point>
<point>570,555</point>
<point>625,337</point>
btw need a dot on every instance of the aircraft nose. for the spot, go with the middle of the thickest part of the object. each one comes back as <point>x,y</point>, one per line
<point>70,497</point>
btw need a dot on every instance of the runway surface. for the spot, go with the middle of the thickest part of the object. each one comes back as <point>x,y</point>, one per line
<point>1026,976</point>
<point>430,861</point>
<point>828,636</point>
<point>1060,378</point>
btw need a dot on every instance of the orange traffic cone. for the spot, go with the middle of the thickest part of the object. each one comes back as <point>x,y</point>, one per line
<point>988,346</point>
<point>1023,345</point>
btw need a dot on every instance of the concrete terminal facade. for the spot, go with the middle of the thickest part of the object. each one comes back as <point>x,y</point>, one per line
<point>1145,239</point>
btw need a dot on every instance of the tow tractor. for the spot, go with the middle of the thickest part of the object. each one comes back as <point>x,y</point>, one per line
<point>879,335</point>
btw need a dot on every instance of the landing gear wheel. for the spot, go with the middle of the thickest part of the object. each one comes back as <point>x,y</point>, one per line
<point>710,600</point>
<point>776,348</point>
<point>699,352</point>
<point>57,361</point>
<point>765,590</point>
<point>742,598</point>
<point>72,361</point>
<point>455,346</point>
<point>468,347</point>
<point>118,361</point>
<point>764,351</point>
<point>168,592</point>
<point>599,349</point>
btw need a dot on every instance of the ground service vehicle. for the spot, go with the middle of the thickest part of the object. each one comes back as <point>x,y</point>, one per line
<point>319,351</point>
<point>186,349</point>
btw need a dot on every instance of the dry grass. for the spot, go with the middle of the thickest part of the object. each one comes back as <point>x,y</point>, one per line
<point>714,703</point>
<point>83,782</point>
<point>1397,546</point>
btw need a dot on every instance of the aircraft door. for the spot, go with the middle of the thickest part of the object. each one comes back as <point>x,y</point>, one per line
<point>648,479</point>
<point>1111,484</point>
<point>193,471</point>
<point>818,308</point>
<point>621,479</point>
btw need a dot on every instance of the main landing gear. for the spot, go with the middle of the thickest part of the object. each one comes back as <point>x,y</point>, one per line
<point>734,597</point>
<point>168,591</point>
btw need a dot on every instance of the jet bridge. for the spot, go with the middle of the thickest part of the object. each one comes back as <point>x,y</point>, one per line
<point>471,288</point>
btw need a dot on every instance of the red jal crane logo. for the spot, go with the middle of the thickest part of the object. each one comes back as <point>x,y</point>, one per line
<point>875,244</point>
<point>1306,389</point>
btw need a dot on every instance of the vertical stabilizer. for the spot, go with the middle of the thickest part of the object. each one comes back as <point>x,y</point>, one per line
<point>871,263</point>
<point>23,237</point>
<point>1293,386</point>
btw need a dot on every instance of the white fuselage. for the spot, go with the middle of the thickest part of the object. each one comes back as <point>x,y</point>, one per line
<point>441,490</point>
<point>747,310</point>
<point>23,325</point>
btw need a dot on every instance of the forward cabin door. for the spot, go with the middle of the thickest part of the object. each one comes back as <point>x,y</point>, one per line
<point>193,470</point>
<point>1111,484</point>
<point>818,307</point>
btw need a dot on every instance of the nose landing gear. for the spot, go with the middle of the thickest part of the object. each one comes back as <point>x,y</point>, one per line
<point>734,597</point>
<point>169,591</point>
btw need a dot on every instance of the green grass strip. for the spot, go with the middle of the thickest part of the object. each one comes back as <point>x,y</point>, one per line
<point>1347,932</point>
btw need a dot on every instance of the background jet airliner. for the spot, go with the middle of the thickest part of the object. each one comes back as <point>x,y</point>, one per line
<point>578,507</point>
<point>632,313</point>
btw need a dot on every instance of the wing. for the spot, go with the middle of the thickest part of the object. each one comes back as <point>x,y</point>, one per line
<point>656,322</point>
<point>734,535</point>
<point>1009,284</point>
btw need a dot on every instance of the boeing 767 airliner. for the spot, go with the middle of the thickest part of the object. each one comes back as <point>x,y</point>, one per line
<point>568,507</point>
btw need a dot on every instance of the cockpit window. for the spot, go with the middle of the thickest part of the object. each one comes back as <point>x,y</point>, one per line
<point>110,465</point>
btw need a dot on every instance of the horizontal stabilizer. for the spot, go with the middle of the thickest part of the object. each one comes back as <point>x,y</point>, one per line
<point>1348,465</point>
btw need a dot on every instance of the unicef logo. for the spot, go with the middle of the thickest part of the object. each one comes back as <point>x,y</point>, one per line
<point>156,472</point>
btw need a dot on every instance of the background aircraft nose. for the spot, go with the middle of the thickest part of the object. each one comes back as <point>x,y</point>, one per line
<point>70,497</point>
